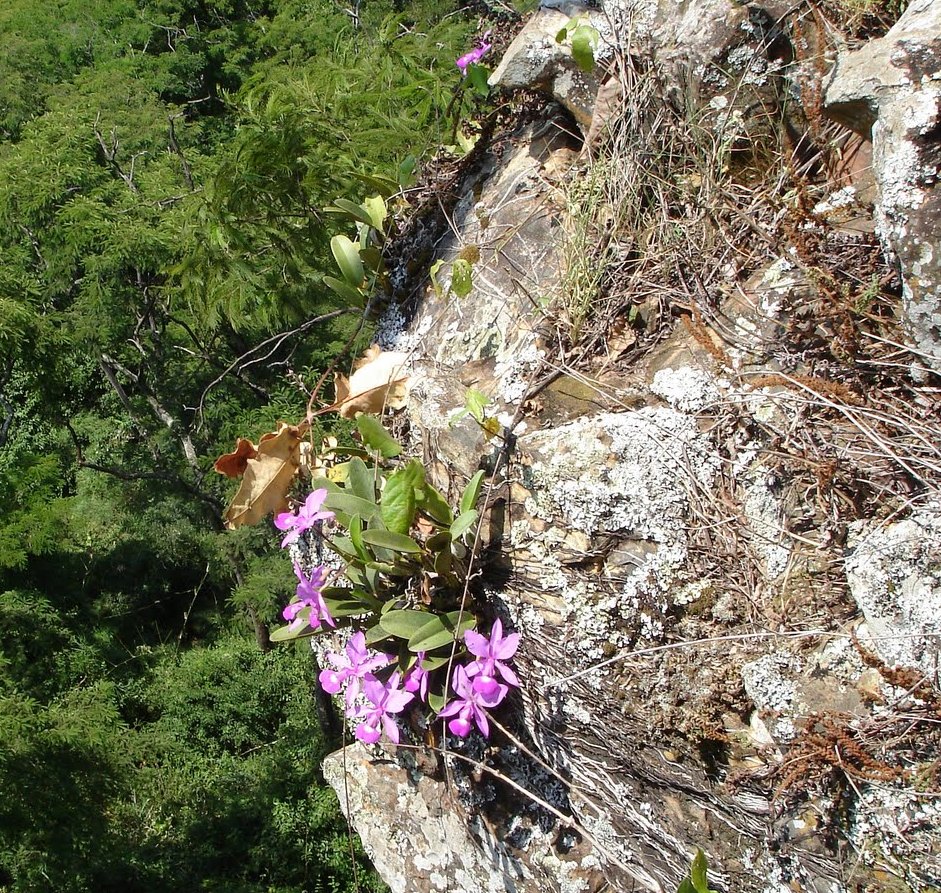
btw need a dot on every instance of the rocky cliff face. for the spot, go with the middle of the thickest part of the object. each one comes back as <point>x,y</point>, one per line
<point>710,331</point>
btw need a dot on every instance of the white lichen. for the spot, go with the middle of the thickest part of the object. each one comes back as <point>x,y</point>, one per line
<point>894,573</point>
<point>687,388</point>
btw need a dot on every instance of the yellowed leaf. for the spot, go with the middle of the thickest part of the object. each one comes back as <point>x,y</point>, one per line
<point>268,476</point>
<point>377,382</point>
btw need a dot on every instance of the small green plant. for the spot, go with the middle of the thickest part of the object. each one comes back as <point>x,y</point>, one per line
<point>462,275</point>
<point>582,39</point>
<point>475,405</point>
<point>406,557</point>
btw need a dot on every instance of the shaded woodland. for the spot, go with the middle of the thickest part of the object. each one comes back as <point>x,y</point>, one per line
<point>163,169</point>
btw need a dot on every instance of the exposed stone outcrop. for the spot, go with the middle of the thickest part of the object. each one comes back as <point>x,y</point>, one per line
<point>722,560</point>
<point>891,89</point>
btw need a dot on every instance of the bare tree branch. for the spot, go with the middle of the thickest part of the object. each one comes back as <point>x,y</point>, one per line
<point>175,146</point>
<point>127,475</point>
<point>274,342</point>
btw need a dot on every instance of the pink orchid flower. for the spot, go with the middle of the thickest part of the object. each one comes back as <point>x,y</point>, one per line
<point>351,667</point>
<point>491,654</point>
<point>387,700</point>
<point>468,706</point>
<point>475,55</point>
<point>309,595</point>
<point>307,516</point>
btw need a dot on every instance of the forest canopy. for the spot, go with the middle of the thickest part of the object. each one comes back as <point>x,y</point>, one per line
<point>164,166</point>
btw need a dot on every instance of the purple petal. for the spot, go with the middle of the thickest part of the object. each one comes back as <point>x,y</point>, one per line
<point>397,701</point>
<point>460,727</point>
<point>485,685</point>
<point>391,728</point>
<point>374,689</point>
<point>285,520</point>
<point>476,643</point>
<point>507,674</point>
<point>330,681</point>
<point>491,699</point>
<point>481,719</point>
<point>367,733</point>
<point>453,707</point>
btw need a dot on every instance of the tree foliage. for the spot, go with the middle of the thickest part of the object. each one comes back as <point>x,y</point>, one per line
<point>164,165</point>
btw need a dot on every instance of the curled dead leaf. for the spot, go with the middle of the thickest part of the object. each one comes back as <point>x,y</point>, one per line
<point>267,476</point>
<point>233,464</point>
<point>377,382</point>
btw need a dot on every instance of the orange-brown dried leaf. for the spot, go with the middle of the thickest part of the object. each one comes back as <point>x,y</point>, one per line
<point>268,477</point>
<point>233,464</point>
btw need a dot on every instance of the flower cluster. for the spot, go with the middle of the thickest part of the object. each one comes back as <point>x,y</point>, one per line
<point>354,667</point>
<point>475,55</point>
<point>308,607</point>
<point>375,692</point>
<point>477,685</point>
<point>307,516</point>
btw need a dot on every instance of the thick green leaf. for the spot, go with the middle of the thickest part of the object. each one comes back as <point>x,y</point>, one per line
<point>355,574</point>
<point>406,171</point>
<point>377,211</point>
<point>376,437</point>
<point>349,209</point>
<point>472,492</point>
<point>437,702</point>
<point>462,523</point>
<point>353,296</point>
<point>391,570</point>
<point>404,624</point>
<point>356,537</point>
<point>385,185</point>
<point>372,259</point>
<point>376,634</point>
<point>346,607</point>
<point>387,539</point>
<point>442,631</point>
<point>697,873</point>
<point>443,562</point>
<point>432,662</point>
<point>584,38</point>
<point>344,546</point>
<point>462,278</point>
<point>398,505</point>
<point>351,505</point>
<point>434,505</point>
<point>686,886</point>
<point>439,542</point>
<point>347,257</point>
<point>478,77</point>
<point>361,479</point>
<point>286,634</point>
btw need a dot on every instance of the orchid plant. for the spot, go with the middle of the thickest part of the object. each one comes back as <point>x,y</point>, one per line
<point>404,563</point>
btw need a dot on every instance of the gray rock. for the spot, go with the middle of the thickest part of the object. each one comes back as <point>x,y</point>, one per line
<point>891,88</point>
<point>894,572</point>
<point>536,59</point>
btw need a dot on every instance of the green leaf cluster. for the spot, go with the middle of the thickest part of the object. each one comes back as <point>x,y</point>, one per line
<point>405,555</point>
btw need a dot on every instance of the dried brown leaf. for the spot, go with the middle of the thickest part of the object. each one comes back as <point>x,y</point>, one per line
<point>233,464</point>
<point>377,382</point>
<point>268,476</point>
